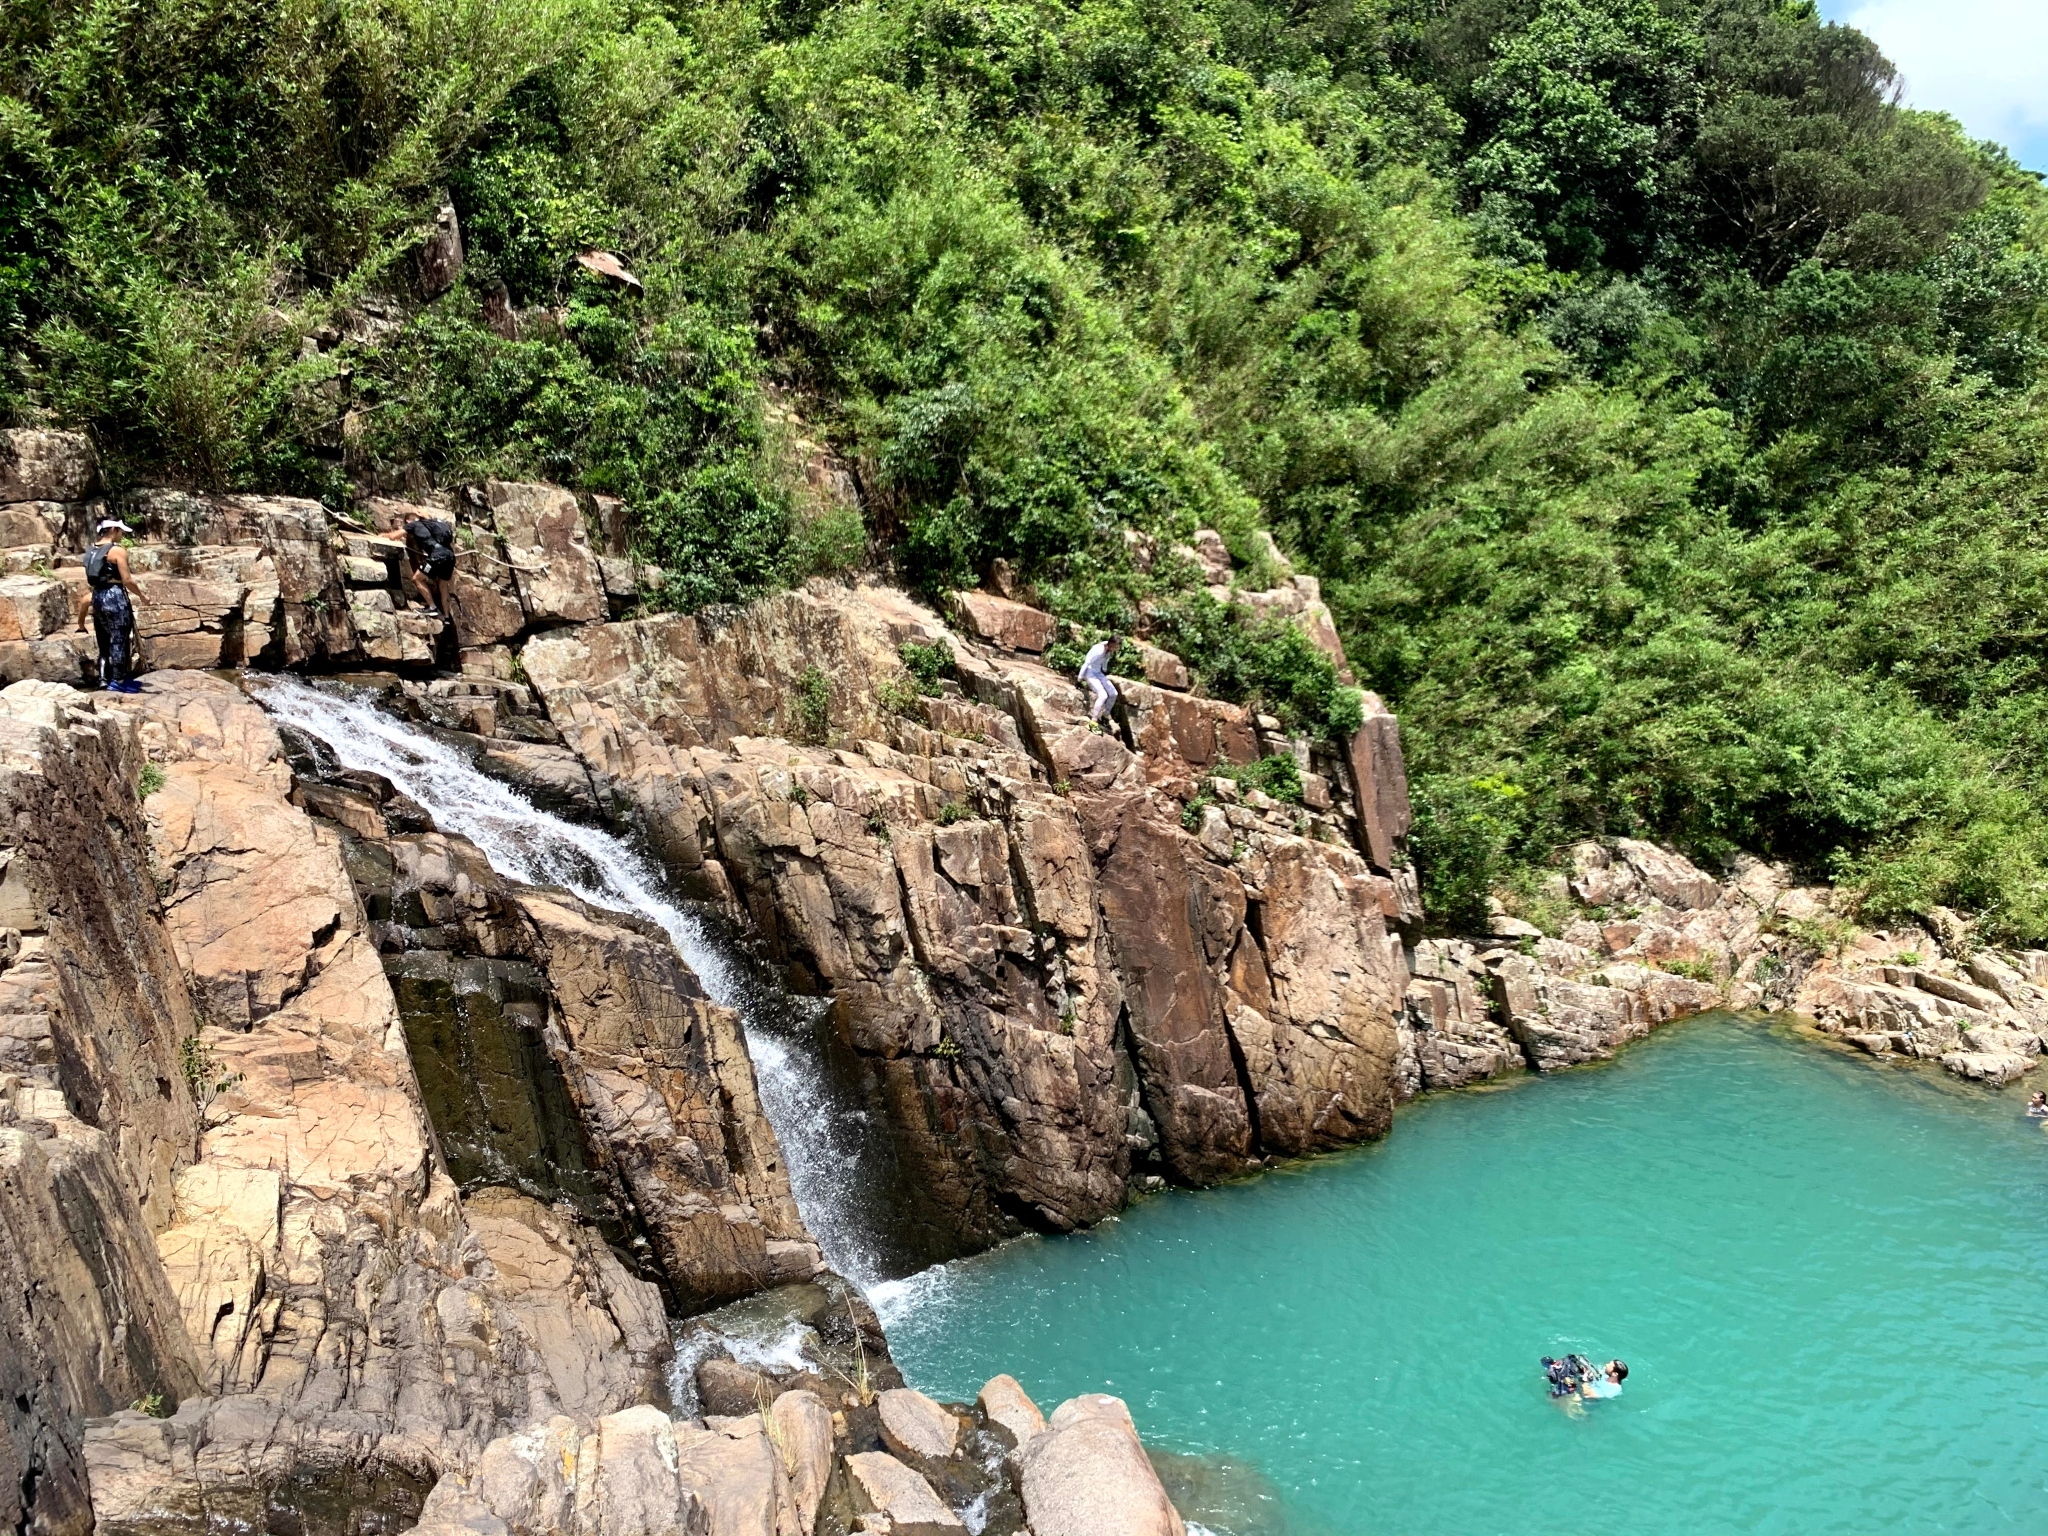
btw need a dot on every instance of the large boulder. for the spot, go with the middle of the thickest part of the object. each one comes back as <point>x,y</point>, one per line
<point>185,623</point>
<point>31,525</point>
<point>34,607</point>
<point>916,1428</point>
<point>549,552</point>
<point>1088,1475</point>
<point>999,621</point>
<point>39,465</point>
<point>1009,1408</point>
<point>803,1432</point>
<point>309,612</point>
<point>1380,780</point>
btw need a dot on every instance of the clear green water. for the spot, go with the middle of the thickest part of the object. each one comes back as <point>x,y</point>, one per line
<point>1827,1277</point>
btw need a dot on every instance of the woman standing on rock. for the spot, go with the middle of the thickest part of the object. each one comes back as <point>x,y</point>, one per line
<point>109,589</point>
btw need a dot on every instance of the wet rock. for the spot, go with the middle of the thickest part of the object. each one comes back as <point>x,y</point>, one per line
<point>916,1428</point>
<point>1009,1408</point>
<point>1088,1475</point>
<point>885,1486</point>
<point>378,1336</point>
<point>1992,1068</point>
<point>729,1389</point>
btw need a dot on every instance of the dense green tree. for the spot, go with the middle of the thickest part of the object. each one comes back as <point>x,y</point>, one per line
<point>1662,405</point>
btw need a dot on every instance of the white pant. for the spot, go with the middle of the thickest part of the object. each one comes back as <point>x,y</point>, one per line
<point>1101,697</point>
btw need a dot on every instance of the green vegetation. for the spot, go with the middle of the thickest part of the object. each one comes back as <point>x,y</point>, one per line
<point>1662,408</point>
<point>1279,777</point>
<point>203,1076</point>
<point>927,664</point>
<point>149,781</point>
<point>814,704</point>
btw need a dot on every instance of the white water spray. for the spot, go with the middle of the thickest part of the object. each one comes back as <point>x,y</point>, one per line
<point>820,1139</point>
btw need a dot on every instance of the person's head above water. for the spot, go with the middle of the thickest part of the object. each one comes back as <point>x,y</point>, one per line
<point>1615,1371</point>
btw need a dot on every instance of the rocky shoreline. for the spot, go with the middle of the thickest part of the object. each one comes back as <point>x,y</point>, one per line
<point>352,1185</point>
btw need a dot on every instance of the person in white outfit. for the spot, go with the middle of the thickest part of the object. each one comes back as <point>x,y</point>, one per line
<point>1094,676</point>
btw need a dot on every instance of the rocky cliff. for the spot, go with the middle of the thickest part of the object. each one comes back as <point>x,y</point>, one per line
<point>339,1167</point>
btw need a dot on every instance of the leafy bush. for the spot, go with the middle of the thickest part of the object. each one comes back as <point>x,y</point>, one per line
<point>1279,777</point>
<point>928,664</point>
<point>1465,834</point>
<point>1659,403</point>
<point>814,704</point>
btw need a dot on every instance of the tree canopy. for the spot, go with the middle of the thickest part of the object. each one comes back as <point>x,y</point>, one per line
<point>1661,403</point>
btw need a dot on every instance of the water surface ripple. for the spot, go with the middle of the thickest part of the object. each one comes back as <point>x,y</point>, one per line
<point>1827,1278</point>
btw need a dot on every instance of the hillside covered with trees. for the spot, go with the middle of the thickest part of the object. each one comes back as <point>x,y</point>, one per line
<point>1664,408</point>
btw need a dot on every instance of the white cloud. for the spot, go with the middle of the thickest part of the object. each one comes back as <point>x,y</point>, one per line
<point>1984,61</point>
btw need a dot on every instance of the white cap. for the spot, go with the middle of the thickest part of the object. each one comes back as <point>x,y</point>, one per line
<point>114,522</point>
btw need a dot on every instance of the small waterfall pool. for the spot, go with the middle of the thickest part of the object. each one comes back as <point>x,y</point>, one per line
<point>825,1138</point>
<point>1829,1279</point>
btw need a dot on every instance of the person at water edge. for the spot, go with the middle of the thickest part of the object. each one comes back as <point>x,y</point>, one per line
<point>109,595</point>
<point>1094,676</point>
<point>2037,1105</point>
<point>430,550</point>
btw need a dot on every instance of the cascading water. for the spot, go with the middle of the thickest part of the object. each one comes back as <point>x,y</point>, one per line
<point>822,1141</point>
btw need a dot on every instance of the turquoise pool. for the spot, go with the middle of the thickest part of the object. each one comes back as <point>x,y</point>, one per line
<point>1829,1278</point>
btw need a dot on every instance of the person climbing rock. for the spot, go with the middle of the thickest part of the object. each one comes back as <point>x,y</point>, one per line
<point>1094,676</point>
<point>110,591</point>
<point>430,550</point>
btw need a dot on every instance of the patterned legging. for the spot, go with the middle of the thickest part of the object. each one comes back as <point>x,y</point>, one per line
<point>113,625</point>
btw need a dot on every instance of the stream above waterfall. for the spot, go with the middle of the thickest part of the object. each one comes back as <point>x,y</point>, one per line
<point>1827,1278</point>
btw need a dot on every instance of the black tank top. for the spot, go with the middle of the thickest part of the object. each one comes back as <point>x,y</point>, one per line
<point>99,570</point>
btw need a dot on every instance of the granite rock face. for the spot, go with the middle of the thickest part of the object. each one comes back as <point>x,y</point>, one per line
<point>1054,982</point>
<point>569,1049</point>
<point>215,1167</point>
<point>95,1116</point>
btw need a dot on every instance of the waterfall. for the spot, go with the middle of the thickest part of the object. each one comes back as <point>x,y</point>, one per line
<point>822,1141</point>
